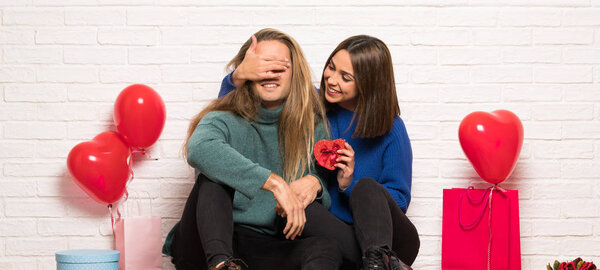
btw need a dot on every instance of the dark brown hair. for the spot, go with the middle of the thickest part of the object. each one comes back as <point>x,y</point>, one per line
<point>301,113</point>
<point>377,103</point>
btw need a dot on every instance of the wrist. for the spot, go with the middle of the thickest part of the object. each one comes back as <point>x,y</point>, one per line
<point>274,183</point>
<point>237,77</point>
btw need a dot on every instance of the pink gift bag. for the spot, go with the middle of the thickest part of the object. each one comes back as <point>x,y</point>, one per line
<point>139,241</point>
<point>471,239</point>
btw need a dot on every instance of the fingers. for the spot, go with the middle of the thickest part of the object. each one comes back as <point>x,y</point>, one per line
<point>277,59</point>
<point>252,48</point>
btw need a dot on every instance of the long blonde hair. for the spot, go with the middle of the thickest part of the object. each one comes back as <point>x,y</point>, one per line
<point>301,113</point>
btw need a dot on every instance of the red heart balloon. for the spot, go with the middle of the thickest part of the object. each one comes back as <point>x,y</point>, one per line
<point>492,143</point>
<point>326,152</point>
<point>101,166</point>
<point>139,115</point>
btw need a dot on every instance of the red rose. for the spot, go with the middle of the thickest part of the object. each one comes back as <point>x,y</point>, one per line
<point>567,266</point>
<point>587,266</point>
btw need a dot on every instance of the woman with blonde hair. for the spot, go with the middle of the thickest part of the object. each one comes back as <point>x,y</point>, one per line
<point>250,149</point>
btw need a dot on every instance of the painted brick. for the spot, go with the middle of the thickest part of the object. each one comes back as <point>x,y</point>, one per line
<point>426,208</point>
<point>581,56</point>
<point>67,227</point>
<point>33,16</point>
<point>17,112</point>
<point>467,16</point>
<point>580,209</point>
<point>94,16</point>
<point>87,130</point>
<point>175,190</point>
<point>451,75</point>
<point>170,55</point>
<point>572,36</point>
<point>529,17</point>
<point>17,188</point>
<point>85,207</point>
<point>94,93</point>
<point>435,150</point>
<point>34,246</point>
<point>573,111</point>
<point>581,247</point>
<point>479,56</point>
<point>582,92</point>
<point>95,55</point>
<point>17,36</point>
<point>425,168</point>
<point>64,2</point>
<point>581,17</point>
<point>34,208</point>
<point>581,130</point>
<point>14,263</point>
<point>204,35</point>
<point>219,54</point>
<point>564,150</point>
<point>564,75</point>
<point>532,55</point>
<point>408,16</point>
<point>34,130</point>
<point>286,16</point>
<point>470,94</point>
<point>16,149</point>
<point>53,149</point>
<point>128,36</point>
<point>537,170</point>
<point>441,37</point>
<point>35,93</point>
<point>17,227</point>
<point>195,73</point>
<point>408,55</point>
<point>419,131</point>
<point>215,15</point>
<point>495,37</point>
<point>580,170</point>
<point>16,74</point>
<point>59,187</point>
<point>106,242</point>
<point>532,93</point>
<point>177,92</point>
<point>130,74</point>
<point>156,16</point>
<point>551,3</point>
<point>74,112</point>
<point>127,2</point>
<point>33,55</point>
<point>9,3</point>
<point>67,74</point>
<point>66,36</point>
<point>539,209</point>
<point>168,208</point>
<point>543,130</point>
<point>502,74</point>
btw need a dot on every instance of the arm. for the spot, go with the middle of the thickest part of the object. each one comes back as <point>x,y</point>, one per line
<point>397,166</point>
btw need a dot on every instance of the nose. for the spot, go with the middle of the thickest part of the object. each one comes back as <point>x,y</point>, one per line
<point>331,80</point>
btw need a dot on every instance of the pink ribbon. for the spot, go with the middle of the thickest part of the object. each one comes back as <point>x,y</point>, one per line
<point>487,196</point>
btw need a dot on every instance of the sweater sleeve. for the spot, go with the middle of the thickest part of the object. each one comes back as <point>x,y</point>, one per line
<point>396,176</point>
<point>209,152</point>
<point>227,85</point>
<point>323,196</point>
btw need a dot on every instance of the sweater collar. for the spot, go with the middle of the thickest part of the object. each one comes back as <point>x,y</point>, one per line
<point>266,116</point>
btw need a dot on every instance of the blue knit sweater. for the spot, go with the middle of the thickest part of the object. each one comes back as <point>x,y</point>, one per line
<point>387,158</point>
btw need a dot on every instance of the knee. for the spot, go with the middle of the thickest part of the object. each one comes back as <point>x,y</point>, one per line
<point>365,187</point>
<point>326,247</point>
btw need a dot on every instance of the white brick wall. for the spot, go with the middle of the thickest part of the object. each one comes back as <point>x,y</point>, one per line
<point>63,63</point>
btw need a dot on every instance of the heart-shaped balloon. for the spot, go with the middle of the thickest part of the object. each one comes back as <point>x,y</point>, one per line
<point>492,143</point>
<point>101,166</point>
<point>139,114</point>
<point>326,152</point>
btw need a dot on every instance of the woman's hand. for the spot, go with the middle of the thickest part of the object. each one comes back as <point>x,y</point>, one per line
<point>306,189</point>
<point>256,67</point>
<point>345,165</point>
<point>289,205</point>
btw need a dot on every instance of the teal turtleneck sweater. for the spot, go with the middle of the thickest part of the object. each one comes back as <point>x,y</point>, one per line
<point>241,154</point>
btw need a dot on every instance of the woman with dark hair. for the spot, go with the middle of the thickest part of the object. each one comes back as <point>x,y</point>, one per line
<point>374,171</point>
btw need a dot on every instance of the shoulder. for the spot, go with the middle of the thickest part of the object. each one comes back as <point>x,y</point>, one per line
<point>219,117</point>
<point>398,134</point>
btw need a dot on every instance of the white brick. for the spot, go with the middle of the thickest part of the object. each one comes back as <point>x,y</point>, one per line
<point>220,54</point>
<point>449,75</point>
<point>580,209</point>
<point>370,16</point>
<point>581,130</point>
<point>417,93</point>
<point>419,131</point>
<point>564,150</point>
<point>582,92</point>
<point>529,17</point>
<point>35,208</point>
<point>59,187</point>
<point>17,36</point>
<point>102,55</point>
<point>531,93</point>
<point>91,242</point>
<point>35,16</point>
<point>531,55</point>
<point>67,226</point>
<point>458,169</point>
<point>177,92</point>
<point>537,170</point>
<point>563,36</point>
<point>67,74</point>
<point>127,2</point>
<point>425,168</point>
<point>156,16</point>
<point>216,15</point>
<point>564,74</point>
<point>16,74</point>
<point>434,112</point>
<point>285,16</point>
<point>34,246</point>
<point>428,226</point>
<point>128,36</point>
<point>543,130</point>
<point>35,93</point>
<point>130,74</point>
<point>9,3</point>
<point>87,130</point>
<point>64,2</point>
<point>53,149</point>
<point>83,36</point>
<point>163,169</point>
<point>46,262</point>
<point>582,56</point>
<point>580,170</point>
<point>94,93</point>
<point>581,17</point>
<point>17,188</point>
<point>502,74</point>
<point>74,112</point>
<point>168,208</point>
<point>14,263</point>
<point>170,55</point>
<point>175,190</point>
<point>563,111</point>
<point>538,209</point>
<point>204,35</point>
<point>437,150</point>
<point>540,246</point>
<point>17,227</point>
<point>205,92</point>
<point>470,94</point>
<point>17,111</point>
<point>506,36</point>
<point>467,16</point>
<point>192,73</point>
<point>181,111</point>
<point>441,37</point>
<point>94,16</point>
<point>87,208</point>
<point>581,247</point>
<point>477,56</point>
<point>34,130</point>
<point>552,3</point>
<point>426,208</point>
<point>409,55</point>
<point>33,55</point>
<point>16,149</point>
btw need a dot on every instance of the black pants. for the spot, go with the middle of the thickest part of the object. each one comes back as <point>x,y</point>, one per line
<point>207,232</point>
<point>379,221</point>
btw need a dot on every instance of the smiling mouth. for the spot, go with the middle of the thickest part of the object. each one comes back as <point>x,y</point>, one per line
<point>269,84</point>
<point>333,92</point>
